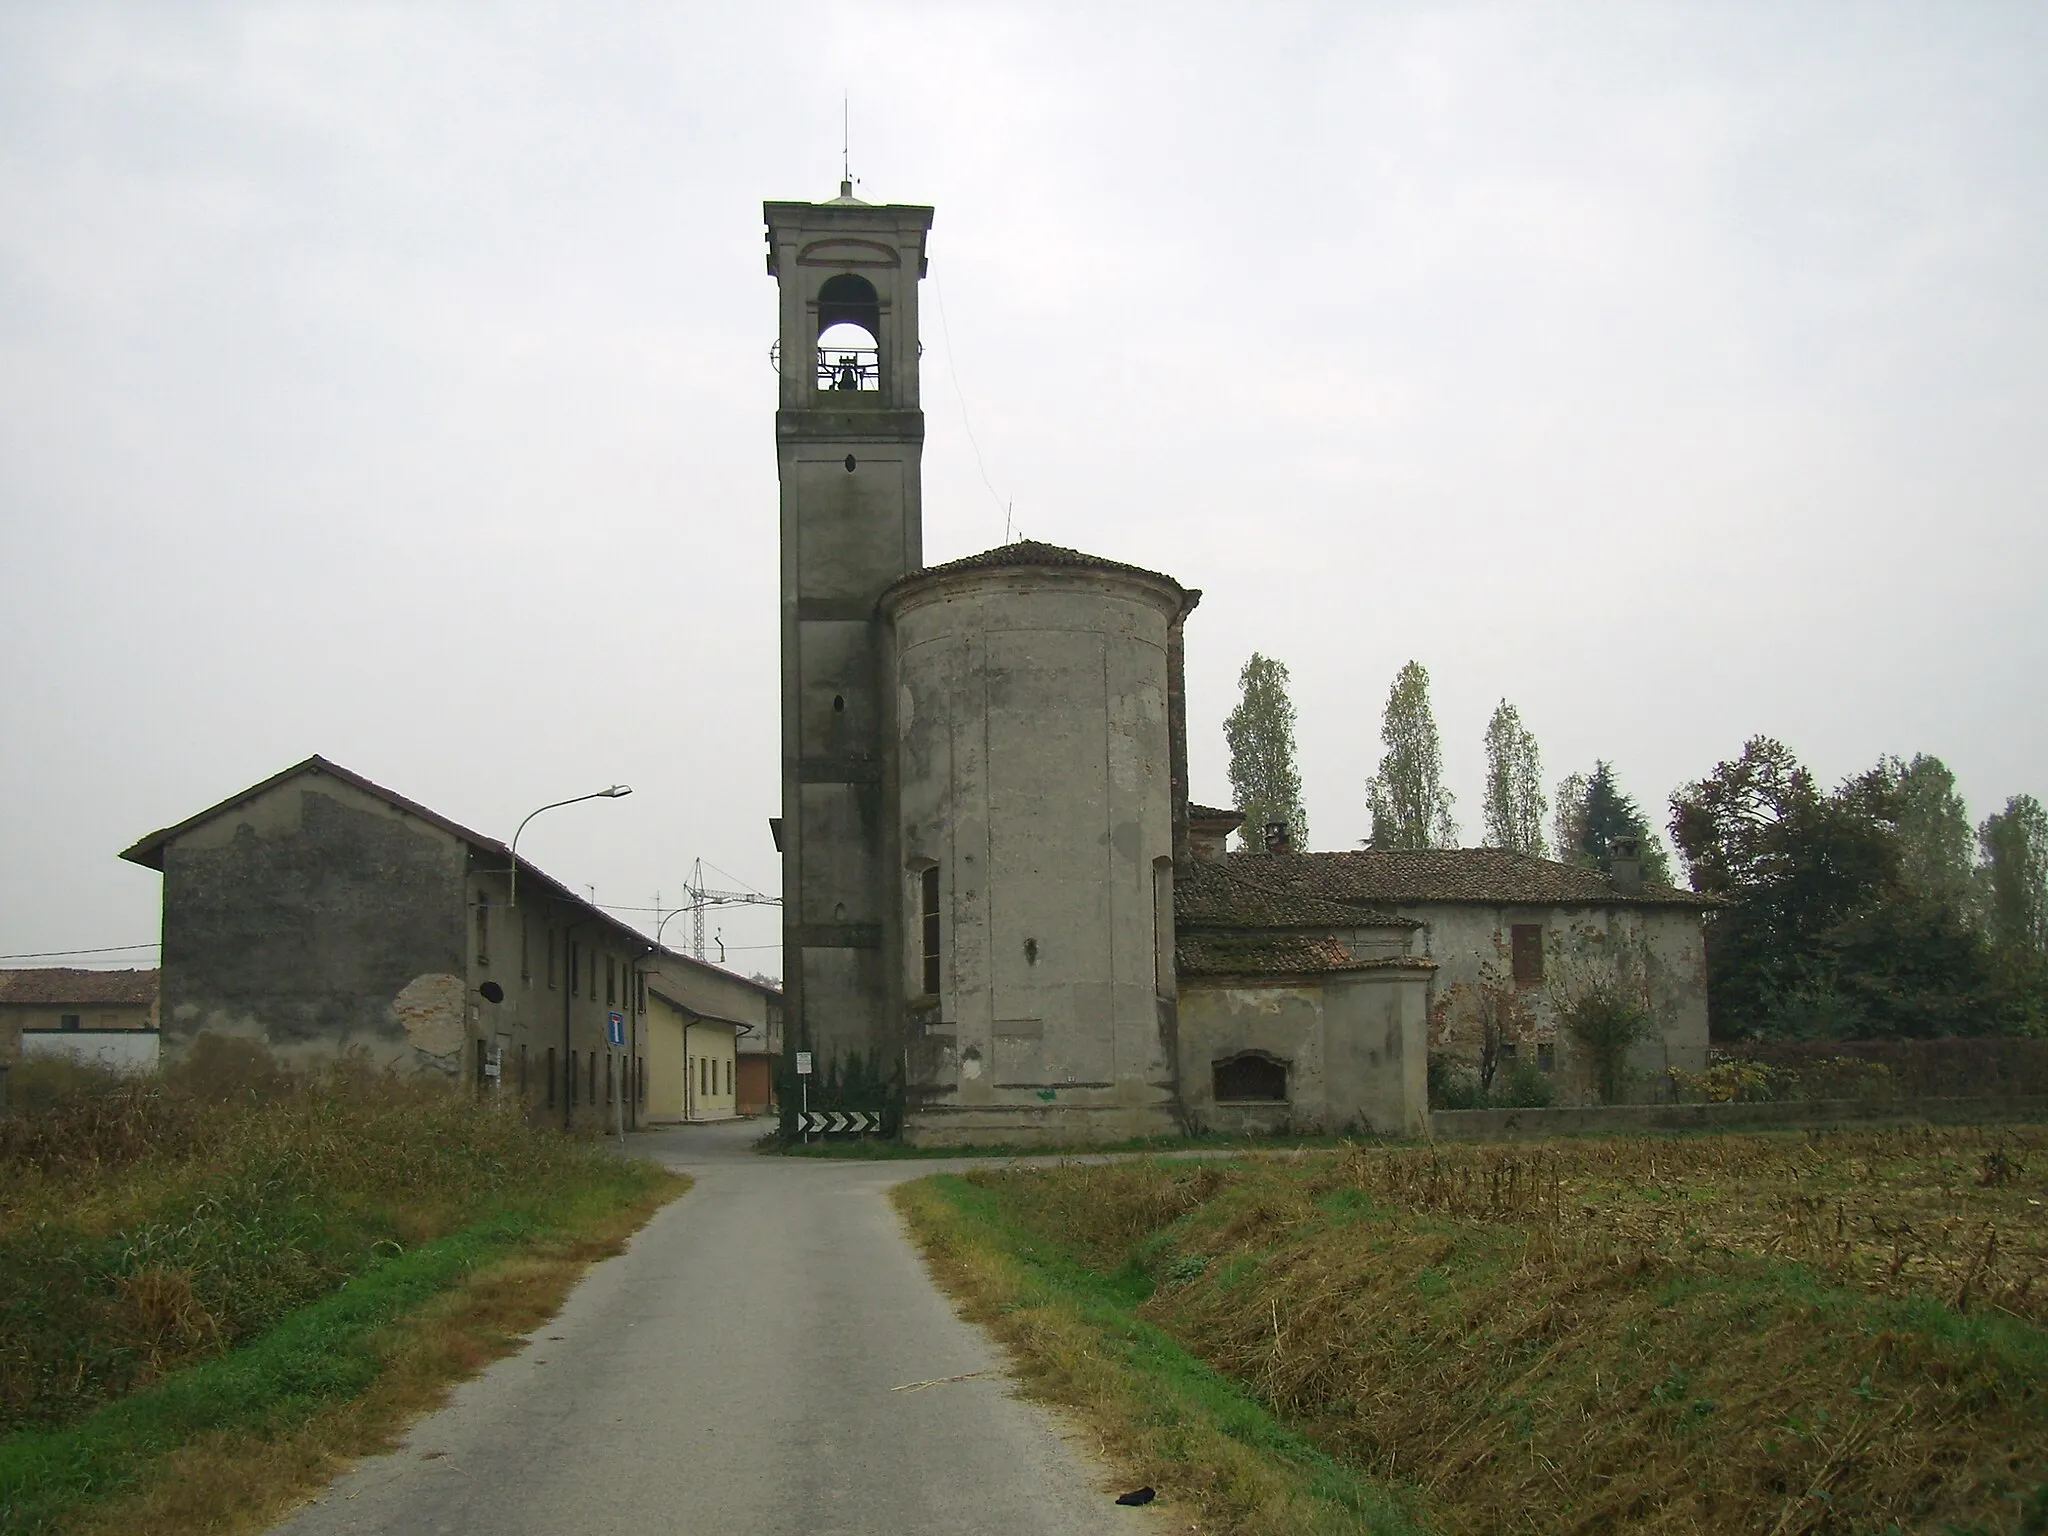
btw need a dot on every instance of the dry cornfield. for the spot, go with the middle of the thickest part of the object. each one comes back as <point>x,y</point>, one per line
<point>1773,1333</point>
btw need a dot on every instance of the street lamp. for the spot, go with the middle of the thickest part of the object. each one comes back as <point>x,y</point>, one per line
<point>614,793</point>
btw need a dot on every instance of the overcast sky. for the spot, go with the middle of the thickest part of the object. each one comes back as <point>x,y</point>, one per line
<point>391,382</point>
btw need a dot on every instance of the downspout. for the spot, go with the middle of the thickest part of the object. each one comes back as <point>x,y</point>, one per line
<point>569,985</point>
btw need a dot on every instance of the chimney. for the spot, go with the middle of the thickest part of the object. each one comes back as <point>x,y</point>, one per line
<point>1209,832</point>
<point>1277,838</point>
<point>1625,863</point>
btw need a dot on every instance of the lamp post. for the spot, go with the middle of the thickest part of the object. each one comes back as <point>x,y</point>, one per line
<point>614,793</point>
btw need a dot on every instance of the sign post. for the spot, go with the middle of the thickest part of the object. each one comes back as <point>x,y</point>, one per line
<point>803,1072</point>
<point>614,1037</point>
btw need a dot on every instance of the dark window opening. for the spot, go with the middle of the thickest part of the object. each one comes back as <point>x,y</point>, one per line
<point>928,910</point>
<point>483,929</point>
<point>575,969</point>
<point>1526,945</point>
<point>483,1064</point>
<point>851,463</point>
<point>1546,1058</point>
<point>68,1021</point>
<point>551,1077</point>
<point>611,982</point>
<point>551,959</point>
<point>1255,1078</point>
<point>522,1071</point>
<point>592,1083</point>
<point>525,951</point>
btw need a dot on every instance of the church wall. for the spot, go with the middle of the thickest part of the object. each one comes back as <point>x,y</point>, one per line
<point>1035,775</point>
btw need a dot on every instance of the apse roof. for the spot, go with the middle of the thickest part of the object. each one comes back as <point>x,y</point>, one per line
<point>1030,554</point>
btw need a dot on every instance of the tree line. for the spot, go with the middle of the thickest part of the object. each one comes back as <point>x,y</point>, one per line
<point>1872,910</point>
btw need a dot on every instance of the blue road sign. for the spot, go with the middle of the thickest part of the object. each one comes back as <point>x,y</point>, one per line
<point>615,1028</point>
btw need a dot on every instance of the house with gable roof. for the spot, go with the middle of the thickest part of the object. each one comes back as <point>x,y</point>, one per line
<point>318,913</point>
<point>1502,939</point>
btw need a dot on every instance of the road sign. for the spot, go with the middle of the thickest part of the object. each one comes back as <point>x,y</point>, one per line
<point>842,1122</point>
<point>803,1063</point>
<point>615,1028</point>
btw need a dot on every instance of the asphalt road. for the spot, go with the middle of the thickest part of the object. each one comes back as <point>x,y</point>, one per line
<point>734,1372</point>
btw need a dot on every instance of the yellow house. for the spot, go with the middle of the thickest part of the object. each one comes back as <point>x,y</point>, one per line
<point>696,1016</point>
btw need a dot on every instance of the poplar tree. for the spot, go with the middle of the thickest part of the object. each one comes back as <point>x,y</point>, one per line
<point>1260,734</point>
<point>2015,875</point>
<point>1515,804</point>
<point>1409,805</point>
<point>1937,847</point>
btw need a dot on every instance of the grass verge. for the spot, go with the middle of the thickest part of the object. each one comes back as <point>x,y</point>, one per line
<point>230,1443</point>
<point>1169,1419</point>
<point>1808,1333</point>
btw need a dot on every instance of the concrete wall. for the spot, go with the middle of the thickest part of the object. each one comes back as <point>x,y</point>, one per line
<point>1648,1119</point>
<point>1354,1043</point>
<point>1035,766</point>
<point>1470,943</point>
<point>120,1050</point>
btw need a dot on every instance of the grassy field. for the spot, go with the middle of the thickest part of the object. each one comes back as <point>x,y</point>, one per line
<point>1778,1334</point>
<point>217,1287</point>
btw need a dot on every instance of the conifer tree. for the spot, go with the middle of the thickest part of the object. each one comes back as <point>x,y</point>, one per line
<point>1592,812</point>
<point>1515,805</point>
<point>1260,734</point>
<point>1409,805</point>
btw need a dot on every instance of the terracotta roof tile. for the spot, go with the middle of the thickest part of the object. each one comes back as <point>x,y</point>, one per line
<point>1492,876</point>
<point>1279,954</point>
<point>1225,896</point>
<point>63,984</point>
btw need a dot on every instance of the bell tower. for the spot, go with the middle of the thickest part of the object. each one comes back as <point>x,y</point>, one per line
<point>849,438</point>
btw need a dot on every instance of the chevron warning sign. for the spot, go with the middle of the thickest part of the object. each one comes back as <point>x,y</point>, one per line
<point>841,1122</point>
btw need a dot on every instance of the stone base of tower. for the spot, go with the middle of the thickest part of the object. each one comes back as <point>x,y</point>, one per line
<point>1036,1125</point>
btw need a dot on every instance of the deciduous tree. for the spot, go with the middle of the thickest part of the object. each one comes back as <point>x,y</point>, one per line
<point>1260,734</point>
<point>1515,804</point>
<point>1409,805</point>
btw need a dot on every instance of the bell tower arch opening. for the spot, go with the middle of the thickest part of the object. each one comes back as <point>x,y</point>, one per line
<point>849,334</point>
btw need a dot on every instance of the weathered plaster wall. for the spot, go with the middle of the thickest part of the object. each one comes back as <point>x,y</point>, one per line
<point>1035,764</point>
<point>1355,1045</point>
<point>313,919</point>
<point>1470,944</point>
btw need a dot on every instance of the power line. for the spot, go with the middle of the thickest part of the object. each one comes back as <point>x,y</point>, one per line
<point>960,395</point>
<point>107,949</point>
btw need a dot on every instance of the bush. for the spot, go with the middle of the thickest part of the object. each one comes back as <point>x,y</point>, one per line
<point>1605,1022</point>
<point>1453,1084</point>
